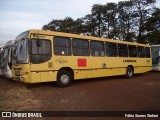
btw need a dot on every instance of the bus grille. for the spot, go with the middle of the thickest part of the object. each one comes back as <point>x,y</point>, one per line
<point>17,68</point>
<point>17,73</point>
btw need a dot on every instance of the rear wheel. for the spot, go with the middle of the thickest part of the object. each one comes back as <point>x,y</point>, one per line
<point>64,78</point>
<point>129,72</point>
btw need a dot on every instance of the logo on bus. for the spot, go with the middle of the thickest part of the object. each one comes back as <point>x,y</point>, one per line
<point>61,61</point>
<point>129,61</point>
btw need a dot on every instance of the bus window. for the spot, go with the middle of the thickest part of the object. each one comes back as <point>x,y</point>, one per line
<point>97,48</point>
<point>132,50</point>
<point>122,50</point>
<point>111,49</point>
<point>62,46</point>
<point>147,51</point>
<point>155,55</point>
<point>141,52</point>
<point>80,47</point>
<point>40,50</point>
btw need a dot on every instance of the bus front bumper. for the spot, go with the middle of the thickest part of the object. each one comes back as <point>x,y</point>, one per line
<point>23,78</point>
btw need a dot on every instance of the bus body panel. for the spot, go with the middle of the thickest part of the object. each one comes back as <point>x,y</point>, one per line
<point>103,66</point>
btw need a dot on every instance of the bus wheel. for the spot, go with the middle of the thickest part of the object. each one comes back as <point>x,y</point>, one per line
<point>64,78</point>
<point>129,72</point>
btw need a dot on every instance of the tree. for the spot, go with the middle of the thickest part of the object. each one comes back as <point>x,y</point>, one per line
<point>97,14</point>
<point>89,24</point>
<point>125,21</point>
<point>110,19</point>
<point>45,27</point>
<point>130,20</point>
<point>152,28</point>
<point>54,25</point>
<point>66,25</point>
<point>142,11</point>
<point>79,27</point>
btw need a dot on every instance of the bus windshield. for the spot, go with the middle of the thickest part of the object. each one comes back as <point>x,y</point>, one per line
<point>4,58</point>
<point>20,52</point>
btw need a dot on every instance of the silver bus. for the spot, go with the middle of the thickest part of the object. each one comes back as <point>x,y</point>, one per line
<point>6,59</point>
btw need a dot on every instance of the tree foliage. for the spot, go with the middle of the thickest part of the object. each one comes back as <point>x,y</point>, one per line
<point>133,20</point>
<point>152,28</point>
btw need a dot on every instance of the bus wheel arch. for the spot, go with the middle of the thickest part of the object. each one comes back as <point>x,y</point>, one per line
<point>65,76</point>
<point>129,71</point>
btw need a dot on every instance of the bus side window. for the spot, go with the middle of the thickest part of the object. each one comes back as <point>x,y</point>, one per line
<point>97,48</point>
<point>80,47</point>
<point>132,50</point>
<point>147,52</point>
<point>122,50</point>
<point>141,52</point>
<point>62,46</point>
<point>111,49</point>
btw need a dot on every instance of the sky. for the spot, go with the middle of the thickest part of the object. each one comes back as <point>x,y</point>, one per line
<point>17,16</point>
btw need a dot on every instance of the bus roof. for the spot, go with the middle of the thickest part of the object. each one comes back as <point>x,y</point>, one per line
<point>9,43</point>
<point>54,33</point>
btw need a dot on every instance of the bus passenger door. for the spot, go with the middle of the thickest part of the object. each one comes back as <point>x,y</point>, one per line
<point>41,60</point>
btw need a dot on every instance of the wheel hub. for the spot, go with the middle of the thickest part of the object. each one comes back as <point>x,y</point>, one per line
<point>64,78</point>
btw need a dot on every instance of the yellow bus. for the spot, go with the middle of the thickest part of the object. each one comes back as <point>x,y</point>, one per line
<point>43,56</point>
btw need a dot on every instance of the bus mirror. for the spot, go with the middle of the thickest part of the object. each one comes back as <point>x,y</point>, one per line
<point>38,43</point>
<point>159,53</point>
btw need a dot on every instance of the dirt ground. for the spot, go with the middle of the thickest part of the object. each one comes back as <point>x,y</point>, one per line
<point>141,93</point>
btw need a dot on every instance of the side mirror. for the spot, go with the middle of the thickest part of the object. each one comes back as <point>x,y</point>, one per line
<point>159,53</point>
<point>39,44</point>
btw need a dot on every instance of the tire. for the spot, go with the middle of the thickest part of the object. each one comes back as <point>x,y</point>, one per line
<point>64,78</point>
<point>129,72</point>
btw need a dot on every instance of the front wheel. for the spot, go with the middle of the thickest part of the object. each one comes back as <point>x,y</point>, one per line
<point>64,78</point>
<point>129,72</point>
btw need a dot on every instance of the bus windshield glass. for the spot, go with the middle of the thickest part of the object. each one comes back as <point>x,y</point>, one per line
<point>4,58</point>
<point>20,53</point>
